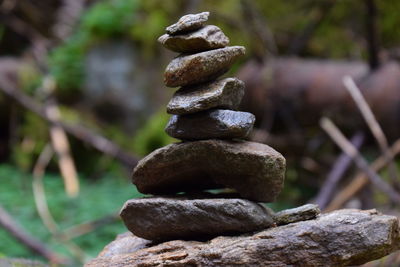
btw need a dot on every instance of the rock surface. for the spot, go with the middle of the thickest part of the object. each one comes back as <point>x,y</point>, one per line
<point>209,124</point>
<point>207,38</point>
<point>302,213</point>
<point>201,67</point>
<point>226,93</point>
<point>162,218</point>
<point>339,238</point>
<point>188,22</point>
<point>256,171</point>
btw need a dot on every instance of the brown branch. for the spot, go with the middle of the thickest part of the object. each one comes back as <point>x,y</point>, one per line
<point>11,226</point>
<point>361,180</point>
<point>42,207</point>
<point>87,227</point>
<point>335,175</point>
<point>361,163</point>
<point>97,141</point>
<point>372,123</point>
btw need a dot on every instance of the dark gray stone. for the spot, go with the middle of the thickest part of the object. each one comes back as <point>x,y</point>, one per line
<point>209,124</point>
<point>302,213</point>
<point>162,219</point>
<point>207,38</point>
<point>226,93</point>
<point>189,22</point>
<point>256,171</point>
<point>201,67</point>
<point>339,238</point>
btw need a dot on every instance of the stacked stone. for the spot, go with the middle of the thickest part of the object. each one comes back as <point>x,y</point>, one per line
<point>212,154</point>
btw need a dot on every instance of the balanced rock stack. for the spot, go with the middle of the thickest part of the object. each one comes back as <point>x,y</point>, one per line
<point>211,154</point>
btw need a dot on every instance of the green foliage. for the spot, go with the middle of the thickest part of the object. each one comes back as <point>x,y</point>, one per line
<point>109,18</point>
<point>30,141</point>
<point>106,19</point>
<point>152,135</point>
<point>66,64</point>
<point>96,200</point>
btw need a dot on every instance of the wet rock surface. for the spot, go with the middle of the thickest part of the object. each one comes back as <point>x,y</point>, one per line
<point>188,23</point>
<point>256,171</point>
<point>226,93</point>
<point>201,67</point>
<point>221,124</point>
<point>339,238</point>
<point>207,38</point>
<point>302,213</point>
<point>198,219</point>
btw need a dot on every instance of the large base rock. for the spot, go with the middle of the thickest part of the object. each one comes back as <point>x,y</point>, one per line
<point>340,238</point>
<point>256,171</point>
<point>162,218</point>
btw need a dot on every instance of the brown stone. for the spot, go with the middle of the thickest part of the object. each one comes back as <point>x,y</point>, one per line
<point>188,23</point>
<point>339,238</point>
<point>201,67</point>
<point>226,93</point>
<point>256,171</point>
<point>209,124</point>
<point>302,213</point>
<point>207,38</point>
<point>169,218</point>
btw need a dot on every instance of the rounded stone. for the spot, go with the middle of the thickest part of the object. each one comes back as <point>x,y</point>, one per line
<point>226,93</point>
<point>161,218</point>
<point>209,124</point>
<point>201,67</point>
<point>207,38</point>
<point>188,23</point>
<point>256,171</point>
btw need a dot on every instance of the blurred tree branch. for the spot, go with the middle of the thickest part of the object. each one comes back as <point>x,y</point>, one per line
<point>97,141</point>
<point>11,226</point>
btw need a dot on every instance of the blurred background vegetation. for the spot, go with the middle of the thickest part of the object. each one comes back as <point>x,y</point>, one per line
<point>99,64</point>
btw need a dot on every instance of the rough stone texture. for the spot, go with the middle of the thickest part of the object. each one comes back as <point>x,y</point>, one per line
<point>162,218</point>
<point>217,123</point>
<point>188,22</point>
<point>339,238</point>
<point>127,243</point>
<point>226,93</point>
<point>302,213</point>
<point>256,171</point>
<point>207,38</point>
<point>201,67</point>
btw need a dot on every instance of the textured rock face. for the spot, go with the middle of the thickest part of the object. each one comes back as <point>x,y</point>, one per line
<point>188,23</point>
<point>199,219</point>
<point>209,124</point>
<point>302,213</point>
<point>340,238</point>
<point>226,93</point>
<point>256,171</point>
<point>201,67</point>
<point>207,38</point>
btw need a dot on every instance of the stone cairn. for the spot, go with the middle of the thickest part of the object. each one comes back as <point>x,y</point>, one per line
<point>212,154</point>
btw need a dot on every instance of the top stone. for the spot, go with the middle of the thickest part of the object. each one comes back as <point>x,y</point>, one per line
<point>188,23</point>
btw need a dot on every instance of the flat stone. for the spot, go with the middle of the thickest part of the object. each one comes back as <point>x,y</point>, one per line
<point>226,93</point>
<point>162,219</point>
<point>209,124</point>
<point>339,238</point>
<point>207,38</point>
<point>188,23</point>
<point>302,213</point>
<point>201,67</point>
<point>256,171</point>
